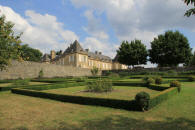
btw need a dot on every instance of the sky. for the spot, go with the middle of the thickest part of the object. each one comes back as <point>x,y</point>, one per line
<point>97,24</point>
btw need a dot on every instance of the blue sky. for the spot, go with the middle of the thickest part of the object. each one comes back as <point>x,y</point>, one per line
<point>98,25</point>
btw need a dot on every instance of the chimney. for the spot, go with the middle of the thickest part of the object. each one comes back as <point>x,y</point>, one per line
<point>53,54</point>
<point>100,53</point>
<point>87,50</point>
<point>96,52</point>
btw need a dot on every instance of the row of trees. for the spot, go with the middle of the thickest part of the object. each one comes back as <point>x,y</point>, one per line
<point>11,48</point>
<point>169,49</point>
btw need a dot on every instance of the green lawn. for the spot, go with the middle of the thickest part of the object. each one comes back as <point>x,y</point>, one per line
<point>119,92</point>
<point>25,112</point>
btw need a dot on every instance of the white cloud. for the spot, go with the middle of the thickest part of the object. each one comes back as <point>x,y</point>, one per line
<point>94,44</point>
<point>40,31</point>
<point>94,27</point>
<point>141,19</point>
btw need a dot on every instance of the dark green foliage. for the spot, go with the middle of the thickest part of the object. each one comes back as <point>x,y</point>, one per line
<point>192,10</point>
<point>113,76</point>
<point>40,74</point>
<point>191,78</point>
<point>172,72</point>
<point>21,82</point>
<point>192,62</point>
<point>9,43</point>
<point>100,85</point>
<point>162,96</point>
<point>94,71</point>
<point>30,54</point>
<point>142,99</point>
<point>170,49</point>
<point>133,53</point>
<point>158,80</point>
<point>148,80</point>
<point>176,84</point>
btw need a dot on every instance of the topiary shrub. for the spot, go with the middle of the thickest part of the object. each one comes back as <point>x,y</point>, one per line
<point>113,75</point>
<point>148,80</point>
<point>177,84</point>
<point>40,74</point>
<point>158,80</point>
<point>172,72</point>
<point>94,71</point>
<point>21,82</point>
<point>191,78</point>
<point>142,100</point>
<point>100,85</point>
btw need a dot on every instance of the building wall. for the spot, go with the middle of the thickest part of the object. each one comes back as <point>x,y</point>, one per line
<point>83,61</point>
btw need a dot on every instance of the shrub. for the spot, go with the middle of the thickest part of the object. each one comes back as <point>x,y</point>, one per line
<point>176,84</point>
<point>113,75</point>
<point>21,82</point>
<point>40,74</point>
<point>80,79</point>
<point>142,99</point>
<point>172,72</point>
<point>158,80</point>
<point>100,85</point>
<point>94,71</point>
<point>191,78</point>
<point>148,80</point>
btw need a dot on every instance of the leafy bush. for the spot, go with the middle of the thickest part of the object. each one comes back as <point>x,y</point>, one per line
<point>158,80</point>
<point>100,85</point>
<point>142,99</point>
<point>94,71</point>
<point>80,79</point>
<point>176,84</point>
<point>21,82</point>
<point>148,80</point>
<point>113,75</point>
<point>191,78</point>
<point>40,74</point>
<point>172,72</point>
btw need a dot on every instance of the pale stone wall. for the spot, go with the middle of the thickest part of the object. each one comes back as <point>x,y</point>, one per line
<point>31,70</point>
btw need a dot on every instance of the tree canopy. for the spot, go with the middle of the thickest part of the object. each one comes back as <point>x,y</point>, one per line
<point>9,43</point>
<point>30,54</point>
<point>192,10</point>
<point>170,49</point>
<point>133,53</point>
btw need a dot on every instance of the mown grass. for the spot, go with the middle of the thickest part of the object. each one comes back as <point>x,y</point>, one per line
<point>119,92</point>
<point>24,112</point>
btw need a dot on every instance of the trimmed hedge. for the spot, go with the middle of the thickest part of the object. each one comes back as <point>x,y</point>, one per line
<point>54,86</point>
<point>164,95</point>
<point>113,103</point>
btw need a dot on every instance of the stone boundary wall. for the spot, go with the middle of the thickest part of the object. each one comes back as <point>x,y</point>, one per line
<point>161,69</point>
<point>28,69</point>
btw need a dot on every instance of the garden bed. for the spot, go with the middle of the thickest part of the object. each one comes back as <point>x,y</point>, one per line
<point>119,92</point>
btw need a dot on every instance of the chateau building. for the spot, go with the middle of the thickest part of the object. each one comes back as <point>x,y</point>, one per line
<point>76,56</point>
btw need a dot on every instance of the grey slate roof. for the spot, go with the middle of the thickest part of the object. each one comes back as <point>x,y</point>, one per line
<point>76,48</point>
<point>46,58</point>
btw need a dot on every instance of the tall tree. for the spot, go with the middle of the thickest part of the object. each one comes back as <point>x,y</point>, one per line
<point>192,62</point>
<point>9,43</point>
<point>192,10</point>
<point>30,54</point>
<point>133,53</point>
<point>170,49</point>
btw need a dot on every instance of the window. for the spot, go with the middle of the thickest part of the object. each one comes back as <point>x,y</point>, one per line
<point>82,58</point>
<point>71,58</point>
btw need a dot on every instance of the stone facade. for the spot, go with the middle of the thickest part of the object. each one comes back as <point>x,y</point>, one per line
<point>27,69</point>
<point>76,56</point>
